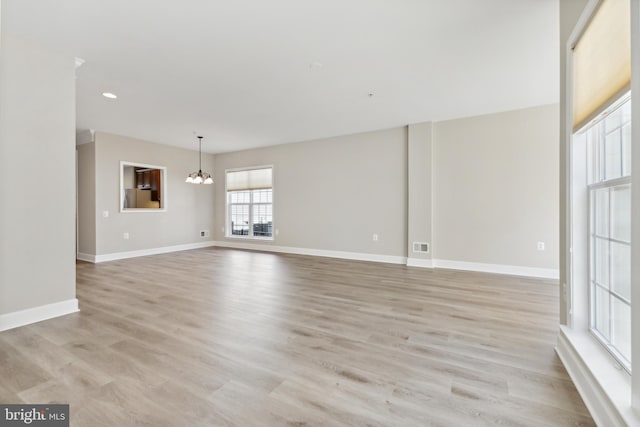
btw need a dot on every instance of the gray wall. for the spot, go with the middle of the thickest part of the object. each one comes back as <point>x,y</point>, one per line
<point>480,190</point>
<point>37,135</point>
<point>495,185</point>
<point>87,198</point>
<point>332,194</point>
<point>419,183</point>
<point>190,208</point>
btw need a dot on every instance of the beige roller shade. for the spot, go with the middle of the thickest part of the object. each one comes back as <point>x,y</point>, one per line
<point>252,179</point>
<point>602,61</point>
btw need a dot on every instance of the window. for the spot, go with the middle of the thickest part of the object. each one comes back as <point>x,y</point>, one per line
<point>600,247</point>
<point>142,187</point>
<point>608,159</point>
<point>250,203</point>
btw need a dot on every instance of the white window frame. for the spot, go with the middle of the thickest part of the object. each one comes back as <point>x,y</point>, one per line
<point>611,393</point>
<point>610,185</point>
<point>163,188</point>
<point>228,205</point>
<point>603,183</point>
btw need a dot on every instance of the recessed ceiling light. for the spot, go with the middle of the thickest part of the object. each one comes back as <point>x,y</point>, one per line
<point>109,95</point>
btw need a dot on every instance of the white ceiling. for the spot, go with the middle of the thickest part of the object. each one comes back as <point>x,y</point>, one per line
<point>249,73</point>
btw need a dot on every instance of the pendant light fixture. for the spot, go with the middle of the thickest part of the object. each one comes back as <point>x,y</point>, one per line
<point>199,177</point>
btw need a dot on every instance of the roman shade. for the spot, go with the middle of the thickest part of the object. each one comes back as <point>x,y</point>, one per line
<point>252,179</point>
<point>602,61</point>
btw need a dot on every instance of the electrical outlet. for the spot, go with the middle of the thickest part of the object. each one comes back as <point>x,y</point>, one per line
<point>105,214</point>
<point>125,236</point>
<point>277,231</point>
<point>541,246</point>
<point>375,237</point>
<point>204,233</point>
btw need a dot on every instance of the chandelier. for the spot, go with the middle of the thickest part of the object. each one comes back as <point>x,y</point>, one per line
<point>199,177</point>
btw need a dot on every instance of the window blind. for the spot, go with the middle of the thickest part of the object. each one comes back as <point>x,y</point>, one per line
<point>602,61</point>
<point>252,179</point>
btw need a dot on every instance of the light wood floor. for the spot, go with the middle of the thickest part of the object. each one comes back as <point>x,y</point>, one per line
<point>226,337</point>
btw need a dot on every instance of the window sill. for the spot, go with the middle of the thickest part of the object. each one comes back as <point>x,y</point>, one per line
<point>260,239</point>
<point>603,385</point>
<point>142,210</point>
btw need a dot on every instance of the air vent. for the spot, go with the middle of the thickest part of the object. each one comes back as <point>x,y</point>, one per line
<point>421,247</point>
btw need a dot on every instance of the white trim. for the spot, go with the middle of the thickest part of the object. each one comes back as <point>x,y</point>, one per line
<point>85,257</point>
<point>163,188</point>
<point>635,203</point>
<point>85,137</point>
<point>567,145</point>
<point>250,238</point>
<point>144,252</point>
<point>516,270</point>
<point>142,210</point>
<point>37,314</point>
<point>358,256</point>
<point>548,273</point>
<point>604,388</point>
<point>419,262</point>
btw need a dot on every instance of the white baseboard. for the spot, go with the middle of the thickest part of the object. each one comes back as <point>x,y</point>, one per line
<point>358,256</point>
<point>411,262</point>
<point>419,262</point>
<point>143,252</point>
<point>85,257</point>
<point>391,259</point>
<point>37,314</point>
<point>547,273</point>
<point>606,410</point>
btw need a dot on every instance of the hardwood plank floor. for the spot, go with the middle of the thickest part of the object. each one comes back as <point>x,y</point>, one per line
<point>236,338</point>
